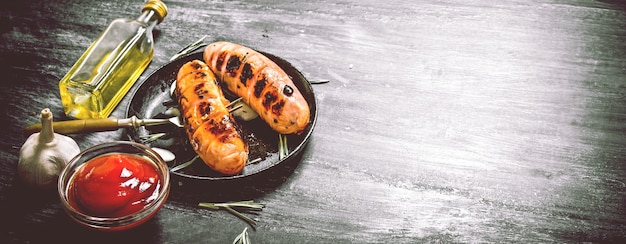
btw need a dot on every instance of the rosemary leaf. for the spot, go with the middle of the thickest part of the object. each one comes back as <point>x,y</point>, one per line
<point>248,220</point>
<point>230,207</point>
<point>233,109</point>
<point>242,238</point>
<point>184,165</point>
<point>208,205</point>
<point>151,137</point>
<point>256,160</point>
<point>189,48</point>
<point>234,102</point>
<point>251,205</point>
<point>283,149</point>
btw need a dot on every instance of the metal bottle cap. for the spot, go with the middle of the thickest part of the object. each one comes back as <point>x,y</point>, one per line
<point>158,7</point>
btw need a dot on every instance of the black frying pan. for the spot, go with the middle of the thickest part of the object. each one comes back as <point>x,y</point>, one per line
<point>152,100</point>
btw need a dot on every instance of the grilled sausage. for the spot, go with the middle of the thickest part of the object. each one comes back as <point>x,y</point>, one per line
<point>261,84</point>
<point>211,130</point>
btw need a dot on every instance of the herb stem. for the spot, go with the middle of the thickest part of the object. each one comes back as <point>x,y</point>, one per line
<point>283,149</point>
<point>184,165</point>
<point>189,48</point>
<point>151,137</point>
<point>256,160</point>
<point>234,102</point>
<point>235,108</point>
<point>243,204</point>
<point>242,238</point>
<point>248,220</point>
<point>231,206</point>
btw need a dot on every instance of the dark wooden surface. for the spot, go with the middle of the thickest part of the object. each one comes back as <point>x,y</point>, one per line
<point>444,121</point>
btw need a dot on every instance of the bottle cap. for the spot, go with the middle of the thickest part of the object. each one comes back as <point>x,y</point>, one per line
<point>158,7</point>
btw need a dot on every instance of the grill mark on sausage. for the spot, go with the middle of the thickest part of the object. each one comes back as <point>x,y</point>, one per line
<point>246,73</point>
<point>277,108</point>
<point>205,109</point>
<point>196,66</point>
<point>221,128</point>
<point>200,90</point>
<point>220,60</point>
<point>259,86</point>
<point>268,99</point>
<point>233,65</point>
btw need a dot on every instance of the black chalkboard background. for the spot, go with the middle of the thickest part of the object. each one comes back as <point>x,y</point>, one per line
<point>443,121</point>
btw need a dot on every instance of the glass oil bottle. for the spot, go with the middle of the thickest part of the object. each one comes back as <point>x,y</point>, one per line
<point>102,76</point>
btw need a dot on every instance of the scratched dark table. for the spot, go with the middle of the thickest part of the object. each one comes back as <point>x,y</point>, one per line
<point>443,121</point>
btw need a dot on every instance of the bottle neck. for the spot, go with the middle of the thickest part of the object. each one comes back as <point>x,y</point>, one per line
<point>149,17</point>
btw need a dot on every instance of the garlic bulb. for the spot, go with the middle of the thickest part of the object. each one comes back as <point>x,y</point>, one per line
<point>44,155</point>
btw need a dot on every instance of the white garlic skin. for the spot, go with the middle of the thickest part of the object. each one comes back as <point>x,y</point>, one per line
<point>44,155</point>
<point>245,113</point>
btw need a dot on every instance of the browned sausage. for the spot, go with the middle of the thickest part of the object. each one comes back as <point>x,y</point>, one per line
<point>211,130</point>
<point>261,83</point>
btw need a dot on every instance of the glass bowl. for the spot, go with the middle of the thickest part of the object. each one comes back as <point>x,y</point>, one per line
<point>85,197</point>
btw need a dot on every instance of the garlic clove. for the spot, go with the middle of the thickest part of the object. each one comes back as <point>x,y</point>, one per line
<point>165,154</point>
<point>44,155</point>
<point>244,112</point>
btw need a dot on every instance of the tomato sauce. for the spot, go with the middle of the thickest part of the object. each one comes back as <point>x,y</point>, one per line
<point>114,185</point>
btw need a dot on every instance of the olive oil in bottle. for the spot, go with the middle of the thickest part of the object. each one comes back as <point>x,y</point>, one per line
<point>102,76</point>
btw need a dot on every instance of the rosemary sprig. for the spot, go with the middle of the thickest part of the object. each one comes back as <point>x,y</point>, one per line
<point>231,206</point>
<point>242,238</point>
<point>184,165</point>
<point>189,48</point>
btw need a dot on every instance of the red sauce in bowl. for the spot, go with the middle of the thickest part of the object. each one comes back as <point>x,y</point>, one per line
<point>114,185</point>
